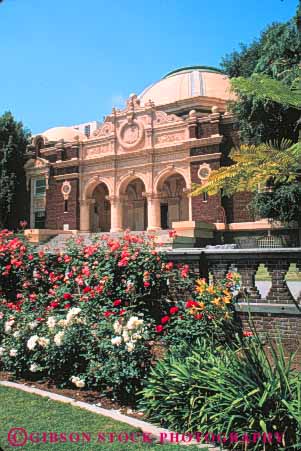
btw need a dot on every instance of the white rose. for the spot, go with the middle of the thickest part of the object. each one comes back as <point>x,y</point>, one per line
<point>136,336</point>
<point>8,325</point>
<point>72,313</point>
<point>33,368</point>
<point>1,315</point>
<point>43,342</point>
<point>31,343</point>
<point>13,352</point>
<point>33,325</point>
<point>16,334</point>
<point>58,338</point>
<point>134,323</point>
<point>51,322</point>
<point>62,323</point>
<point>116,341</point>
<point>77,382</point>
<point>80,384</point>
<point>130,346</point>
<point>125,336</point>
<point>117,327</point>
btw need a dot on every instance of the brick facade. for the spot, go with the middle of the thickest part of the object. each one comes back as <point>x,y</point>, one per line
<point>56,216</point>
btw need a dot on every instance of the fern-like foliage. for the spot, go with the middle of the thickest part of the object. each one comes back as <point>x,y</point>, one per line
<point>266,88</point>
<point>256,166</point>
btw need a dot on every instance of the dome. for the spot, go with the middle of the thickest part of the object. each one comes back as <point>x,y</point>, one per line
<point>68,134</point>
<point>188,82</point>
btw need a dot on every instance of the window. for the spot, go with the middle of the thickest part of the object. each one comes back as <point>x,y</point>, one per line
<point>40,187</point>
<point>87,130</point>
<point>39,219</point>
<point>66,206</point>
<point>205,197</point>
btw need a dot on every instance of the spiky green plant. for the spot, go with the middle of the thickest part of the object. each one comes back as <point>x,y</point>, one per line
<point>247,390</point>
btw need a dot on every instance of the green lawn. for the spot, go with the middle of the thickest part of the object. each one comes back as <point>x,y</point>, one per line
<point>37,414</point>
<point>292,275</point>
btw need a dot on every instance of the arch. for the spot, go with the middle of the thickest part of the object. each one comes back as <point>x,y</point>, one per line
<point>100,209</point>
<point>91,184</point>
<point>127,179</point>
<point>174,203</point>
<point>163,175</point>
<point>134,204</point>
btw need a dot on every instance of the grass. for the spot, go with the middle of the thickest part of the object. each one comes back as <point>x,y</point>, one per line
<point>37,414</point>
<point>292,275</point>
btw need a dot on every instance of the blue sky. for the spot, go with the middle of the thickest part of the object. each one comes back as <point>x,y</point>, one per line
<point>69,61</point>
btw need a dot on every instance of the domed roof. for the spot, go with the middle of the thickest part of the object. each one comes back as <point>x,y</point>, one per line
<point>188,82</point>
<point>68,134</point>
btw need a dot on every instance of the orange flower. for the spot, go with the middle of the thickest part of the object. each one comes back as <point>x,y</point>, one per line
<point>227,299</point>
<point>216,301</point>
<point>201,305</point>
<point>211,289</point>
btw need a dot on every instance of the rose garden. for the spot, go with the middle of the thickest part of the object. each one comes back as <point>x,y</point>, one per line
<point>117,317</point>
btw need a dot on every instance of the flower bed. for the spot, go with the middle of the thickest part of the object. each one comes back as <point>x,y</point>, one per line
<point>86,317</point>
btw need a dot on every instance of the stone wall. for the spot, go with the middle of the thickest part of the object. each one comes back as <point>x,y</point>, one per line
<point>56,216</point>
<point>279,313</point>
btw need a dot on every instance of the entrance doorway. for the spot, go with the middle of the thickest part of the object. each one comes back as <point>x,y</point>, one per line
<point>164,216</point>
<point>101,210</point>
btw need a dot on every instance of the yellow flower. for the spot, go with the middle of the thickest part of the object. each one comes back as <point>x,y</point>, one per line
<point>211,289</point>
<point>201,305</point>
<point>216,301</point>
<point>227,299</point>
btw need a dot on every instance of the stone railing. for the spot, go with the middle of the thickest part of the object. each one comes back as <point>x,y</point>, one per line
<point>246,262</point>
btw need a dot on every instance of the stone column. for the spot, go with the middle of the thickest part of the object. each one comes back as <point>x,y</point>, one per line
<point>247,271</point>
<point>219,271</point>
<point>153,212</point>
<point>298,264</point>
<point>116,213</point>
<point>85,215</point>
<point>279,291</point>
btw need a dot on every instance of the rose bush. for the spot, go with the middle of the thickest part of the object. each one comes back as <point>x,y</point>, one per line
<point>208,315</point>
<point>86,316</point>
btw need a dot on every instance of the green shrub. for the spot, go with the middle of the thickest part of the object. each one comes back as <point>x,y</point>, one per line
<point>243,390</point>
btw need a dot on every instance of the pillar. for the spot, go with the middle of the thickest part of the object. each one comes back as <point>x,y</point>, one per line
<point>116,214</point>
<point>153,212</point>
<point>85,215</point>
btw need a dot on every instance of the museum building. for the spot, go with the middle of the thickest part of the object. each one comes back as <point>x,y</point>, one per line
<point>136,170</point>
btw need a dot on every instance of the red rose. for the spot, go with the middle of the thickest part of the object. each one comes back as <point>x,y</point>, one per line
<point>66,306</point>
<point>67,296</point>
<point>165,319</point>
<point>122,312</point>
<point>159,328</point>
<point>108,313</point>
<point>247,333</point>
<point>87,290</point>
<point>53,304</point>
<point>191,303</point>
<point>146,284</point>
<point>117,302</point>
<point>173,310</point>
<point>199,316</point>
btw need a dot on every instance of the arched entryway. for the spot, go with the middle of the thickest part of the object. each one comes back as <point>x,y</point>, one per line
<point>135,206</point>
<point>174,202</point>
<point>100,209</point>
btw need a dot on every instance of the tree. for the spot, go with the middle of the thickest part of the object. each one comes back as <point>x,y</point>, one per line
<point>277,54</point>
<point>272,166</point>
<point>13,195</point>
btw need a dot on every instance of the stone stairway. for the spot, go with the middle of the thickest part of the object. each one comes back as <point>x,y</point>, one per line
<point>162,239</point>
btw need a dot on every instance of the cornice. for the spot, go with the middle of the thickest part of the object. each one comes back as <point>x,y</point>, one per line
<point>74,175</point>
